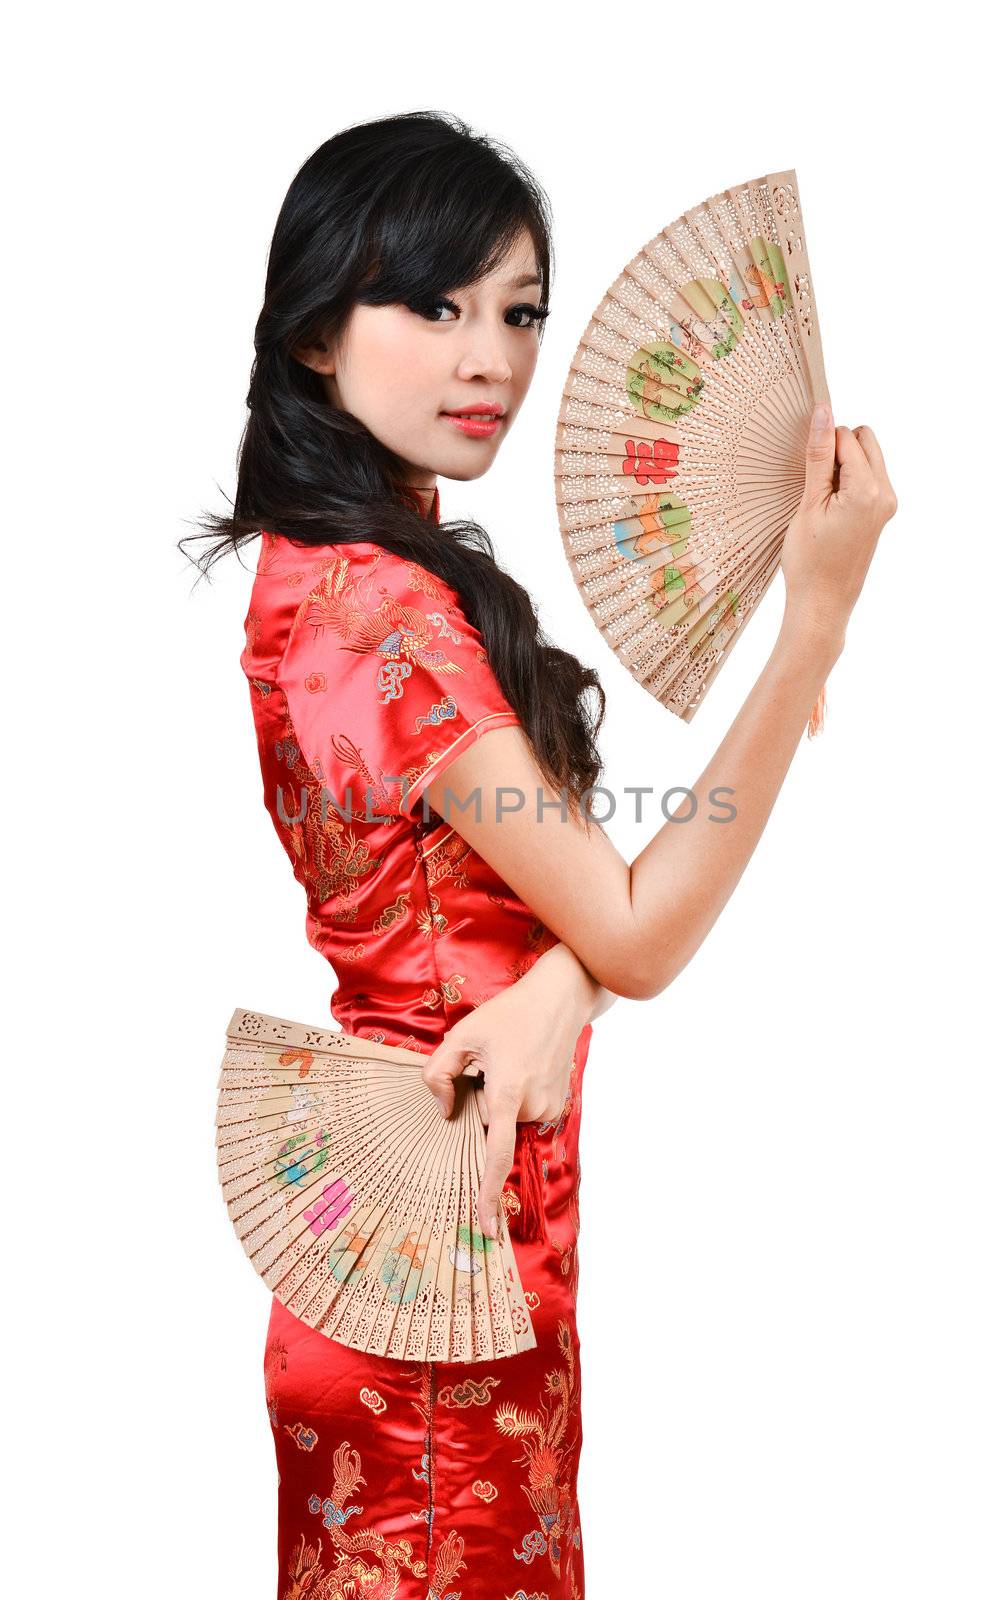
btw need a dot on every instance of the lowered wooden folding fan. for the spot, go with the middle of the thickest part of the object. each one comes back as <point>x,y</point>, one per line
<point>681,437</point>
<point>355,1198</point>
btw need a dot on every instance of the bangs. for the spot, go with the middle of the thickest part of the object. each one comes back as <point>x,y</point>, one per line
<point>444,226</point>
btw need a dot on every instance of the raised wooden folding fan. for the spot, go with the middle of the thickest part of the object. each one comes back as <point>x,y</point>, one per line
<point>681,437</point>
<point>355,1198</point>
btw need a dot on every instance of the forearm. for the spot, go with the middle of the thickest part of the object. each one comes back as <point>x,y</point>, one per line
<point>570,986</point>
<point>693,866</point>
<point>602,1001</point>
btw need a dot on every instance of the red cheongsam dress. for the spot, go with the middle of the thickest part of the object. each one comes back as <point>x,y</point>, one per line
<point>423,1480</point>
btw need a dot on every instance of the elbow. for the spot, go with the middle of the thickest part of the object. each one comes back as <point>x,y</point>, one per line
<point>646,985</point>
<point>631,962</point>
<point>642,972</point>
<point>659,974</point>
<point>634,976</point>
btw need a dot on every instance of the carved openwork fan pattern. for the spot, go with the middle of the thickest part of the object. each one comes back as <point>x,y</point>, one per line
<point>355,1199</point>
<point>680,443</point>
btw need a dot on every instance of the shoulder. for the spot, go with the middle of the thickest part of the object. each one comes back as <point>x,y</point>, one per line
<point>295,582</point>
<point>364,599</point>
<point>381,573</point>
<point>285,565</point>
<point>338,594</point>
<point>382,669</point>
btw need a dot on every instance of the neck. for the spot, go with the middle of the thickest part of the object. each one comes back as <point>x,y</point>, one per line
<point>423,496</point>
<point>426,493</point>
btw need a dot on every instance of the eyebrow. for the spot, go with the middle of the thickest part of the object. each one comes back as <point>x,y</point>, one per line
<point>524,283</point>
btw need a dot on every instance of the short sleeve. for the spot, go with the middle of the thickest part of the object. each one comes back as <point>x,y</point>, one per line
<point>386,680</point>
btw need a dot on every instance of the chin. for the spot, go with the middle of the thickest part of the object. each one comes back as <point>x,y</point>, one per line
<point>466,474</point>
<point>463,471</point>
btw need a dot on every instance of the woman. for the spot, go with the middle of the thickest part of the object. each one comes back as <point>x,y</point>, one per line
<point>394,665</point>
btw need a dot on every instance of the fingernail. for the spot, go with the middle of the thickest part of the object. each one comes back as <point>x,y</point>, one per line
<point>822,416</point>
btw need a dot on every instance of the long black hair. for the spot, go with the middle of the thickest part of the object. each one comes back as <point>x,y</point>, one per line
<point>397,211</point>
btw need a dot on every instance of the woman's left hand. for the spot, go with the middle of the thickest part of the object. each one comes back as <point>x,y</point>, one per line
<point>523,1040</point>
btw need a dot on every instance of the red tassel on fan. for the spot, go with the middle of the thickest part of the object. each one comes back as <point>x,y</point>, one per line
<point>816,721</point>
<point>528,1222</point>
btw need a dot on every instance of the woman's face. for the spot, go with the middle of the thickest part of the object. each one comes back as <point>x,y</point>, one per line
<point>399,370</point>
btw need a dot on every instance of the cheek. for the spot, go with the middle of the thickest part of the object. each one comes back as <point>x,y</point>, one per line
<point>403,374</point>
<point>522,365</point>
<point>387,363</point>
<point>381,362</point>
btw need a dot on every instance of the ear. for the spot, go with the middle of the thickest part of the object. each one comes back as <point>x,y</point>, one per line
<point>319,352</point>
<point>319,355</point>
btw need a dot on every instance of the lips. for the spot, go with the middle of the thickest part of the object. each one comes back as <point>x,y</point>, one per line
<point>480,409</point>
<point>478,422</point>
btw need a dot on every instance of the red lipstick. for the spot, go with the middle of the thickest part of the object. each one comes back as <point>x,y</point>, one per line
<point>479,420</point>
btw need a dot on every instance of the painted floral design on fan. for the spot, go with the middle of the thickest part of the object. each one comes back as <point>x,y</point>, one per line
<point>661,383</point>
<point>768,278</point>
<point>402,1269</point>
<point>296,1159</point>
<point>305,1058</point>
<point>717,625</point>
<point>471,1243</point>
<point>663,522</point>
<point>708,319</point>
<point>336,1200</point>
<point>648,461</point>
<point>350,1255</point>
<point>663,380</point>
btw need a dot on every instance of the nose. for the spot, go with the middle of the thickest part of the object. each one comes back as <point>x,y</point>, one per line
<point>485,358</point>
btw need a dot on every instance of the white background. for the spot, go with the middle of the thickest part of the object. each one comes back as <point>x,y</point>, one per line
<point>791,1300</point>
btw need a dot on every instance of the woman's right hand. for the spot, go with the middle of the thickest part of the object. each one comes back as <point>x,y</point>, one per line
<point>828,546</point>
<point>524,1039</point>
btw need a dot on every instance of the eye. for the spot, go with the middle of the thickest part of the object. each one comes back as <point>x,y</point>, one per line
<point>428,309</point>
<point>537,314</point>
